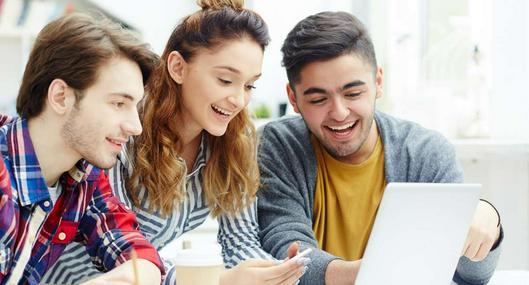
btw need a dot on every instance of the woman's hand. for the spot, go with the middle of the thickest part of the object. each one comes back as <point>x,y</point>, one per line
<point>258,271</point>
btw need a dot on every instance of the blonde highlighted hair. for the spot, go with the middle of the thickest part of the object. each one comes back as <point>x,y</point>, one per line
<point>231,175</point>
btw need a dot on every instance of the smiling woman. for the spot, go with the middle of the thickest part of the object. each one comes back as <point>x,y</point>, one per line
<point>222,80</point>
<point>196,79</point>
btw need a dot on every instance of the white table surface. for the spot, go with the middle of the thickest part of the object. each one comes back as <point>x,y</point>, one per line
<point>510,277</point>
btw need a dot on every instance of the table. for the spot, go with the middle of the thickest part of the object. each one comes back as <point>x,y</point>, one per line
<point>510,277</point>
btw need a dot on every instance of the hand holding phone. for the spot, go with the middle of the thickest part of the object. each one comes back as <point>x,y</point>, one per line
<point>302,254</point>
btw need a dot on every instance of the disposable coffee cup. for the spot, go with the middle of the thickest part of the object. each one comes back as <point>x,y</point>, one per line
<point>198,266</point>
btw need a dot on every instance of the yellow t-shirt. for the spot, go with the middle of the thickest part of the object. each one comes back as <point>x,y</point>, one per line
<point>346,200</point>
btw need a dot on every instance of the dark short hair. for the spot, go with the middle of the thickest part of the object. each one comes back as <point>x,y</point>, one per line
<point>73,48</point>
<point>324,36</point>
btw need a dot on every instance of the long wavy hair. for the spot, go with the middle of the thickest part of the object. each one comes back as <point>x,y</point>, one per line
<point>231,175</point>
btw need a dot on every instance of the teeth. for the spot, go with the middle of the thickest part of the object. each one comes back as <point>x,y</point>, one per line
<point>113,141</point>
<point>220,110</point>
<point>341,128</point>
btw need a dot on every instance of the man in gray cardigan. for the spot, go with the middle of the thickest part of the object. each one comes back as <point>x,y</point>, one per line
<point>334,81</point>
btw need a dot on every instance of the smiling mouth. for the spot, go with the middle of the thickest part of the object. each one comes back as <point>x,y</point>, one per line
<point>342,129</point>
<point>221,111</point>
<point>118,143</point>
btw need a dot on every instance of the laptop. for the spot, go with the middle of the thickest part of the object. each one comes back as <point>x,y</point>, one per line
<point>419,233</point>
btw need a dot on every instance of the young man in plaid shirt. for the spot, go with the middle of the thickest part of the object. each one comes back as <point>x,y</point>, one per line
<point>77,106</point>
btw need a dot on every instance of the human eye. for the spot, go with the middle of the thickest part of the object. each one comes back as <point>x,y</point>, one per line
<point>224,81</point>
<point>249,87</point>
<point>317,101</point>
<point>118,104</point>
<point>353,94</point>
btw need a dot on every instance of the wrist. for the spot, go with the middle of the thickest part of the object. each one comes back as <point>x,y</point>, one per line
<point>341,272</point>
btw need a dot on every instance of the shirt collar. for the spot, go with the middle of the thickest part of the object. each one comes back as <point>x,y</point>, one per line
<point>202,156</point>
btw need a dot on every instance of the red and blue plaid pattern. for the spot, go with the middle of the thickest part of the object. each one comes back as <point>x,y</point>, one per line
<point>86,212</point>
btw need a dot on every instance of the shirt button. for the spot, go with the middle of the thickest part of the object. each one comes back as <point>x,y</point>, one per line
<point>46,204</point>
<point>62,236</point>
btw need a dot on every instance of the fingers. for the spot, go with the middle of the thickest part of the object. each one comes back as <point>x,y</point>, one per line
<point>479,250</point>
<point>467,242</point>
<point>482,234</point>
<point>259,263</point>
<point>290,278</point>
<point>472,250</point>
<point>270,272</point>
<point>265,272</point>
<point>288,266</point>
<point>483,251</point>
<point>478,244</point>
<point>276,274</point>
<point>293,249</point>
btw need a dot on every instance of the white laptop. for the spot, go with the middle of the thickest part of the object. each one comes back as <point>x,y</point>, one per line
<point>419,233</point>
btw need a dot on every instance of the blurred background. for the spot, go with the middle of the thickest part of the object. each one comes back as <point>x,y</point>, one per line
<point>456,66</point>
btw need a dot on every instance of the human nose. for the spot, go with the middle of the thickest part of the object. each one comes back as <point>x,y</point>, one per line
<point>339,110</point>
<point>238,99</point>
<point>132,126</point>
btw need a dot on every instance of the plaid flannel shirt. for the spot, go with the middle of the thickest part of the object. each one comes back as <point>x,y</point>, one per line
<point>85,212</point>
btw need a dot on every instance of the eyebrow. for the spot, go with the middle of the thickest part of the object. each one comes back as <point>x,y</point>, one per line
<point>314,90</point>
<point>319,90</point>
<point>124,95</point>
<point>352,84</point>
<point>234,70</point>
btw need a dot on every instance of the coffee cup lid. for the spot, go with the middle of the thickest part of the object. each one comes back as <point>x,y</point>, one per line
<point>198,257</point>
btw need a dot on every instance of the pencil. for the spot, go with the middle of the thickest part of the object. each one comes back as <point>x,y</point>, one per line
<point>135,266</point>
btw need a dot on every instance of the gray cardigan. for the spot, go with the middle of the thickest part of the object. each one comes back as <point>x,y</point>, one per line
<point>288,178</point>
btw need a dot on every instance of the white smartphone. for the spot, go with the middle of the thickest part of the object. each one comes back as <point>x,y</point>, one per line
<point>303,253</point>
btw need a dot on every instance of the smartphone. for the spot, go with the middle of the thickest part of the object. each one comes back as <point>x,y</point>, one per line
<point>303,253</point>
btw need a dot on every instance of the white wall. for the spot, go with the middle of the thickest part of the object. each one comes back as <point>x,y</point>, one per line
<point>510,100</point>
<point>155,19</point>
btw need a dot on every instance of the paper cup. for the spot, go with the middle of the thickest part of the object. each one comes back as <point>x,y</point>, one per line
<point>198,266</point>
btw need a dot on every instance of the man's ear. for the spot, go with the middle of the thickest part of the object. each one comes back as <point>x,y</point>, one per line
<point>379,78</point>
<point>61,97</point>
<point>176,66</point>
<point>292,98</point>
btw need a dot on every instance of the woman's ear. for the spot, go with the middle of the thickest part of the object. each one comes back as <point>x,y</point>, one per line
<point>176,66</point>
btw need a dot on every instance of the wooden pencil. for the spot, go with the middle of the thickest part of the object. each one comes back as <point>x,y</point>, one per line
<point>135,266</point>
